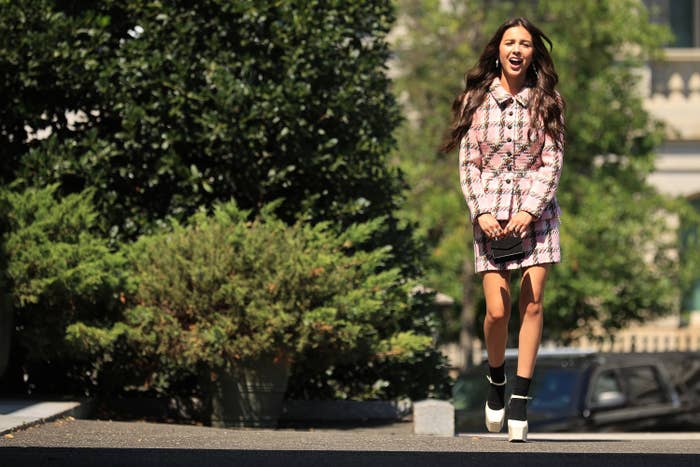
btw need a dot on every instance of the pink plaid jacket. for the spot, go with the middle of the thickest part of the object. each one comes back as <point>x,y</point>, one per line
<point>501,171</point>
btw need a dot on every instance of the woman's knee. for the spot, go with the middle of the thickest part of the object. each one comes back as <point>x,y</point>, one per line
<point>533,309</point>
<point>497,314</point>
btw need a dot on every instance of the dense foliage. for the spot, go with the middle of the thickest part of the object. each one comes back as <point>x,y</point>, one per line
<point>151,111</point>
<point>223,290</point>
<point>59,271</point>
<point>179,104</point>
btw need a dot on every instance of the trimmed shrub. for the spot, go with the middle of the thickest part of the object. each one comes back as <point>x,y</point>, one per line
<point>58,271</point>
<point>222,290</point>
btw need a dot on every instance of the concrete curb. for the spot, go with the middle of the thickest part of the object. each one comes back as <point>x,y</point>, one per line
<point>16,415</point>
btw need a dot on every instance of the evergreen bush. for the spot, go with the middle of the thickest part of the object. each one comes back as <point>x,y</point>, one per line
<point>58,271</point>
<point>221,291</point>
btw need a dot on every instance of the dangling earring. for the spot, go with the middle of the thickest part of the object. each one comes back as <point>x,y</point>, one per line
<point>496,63</point>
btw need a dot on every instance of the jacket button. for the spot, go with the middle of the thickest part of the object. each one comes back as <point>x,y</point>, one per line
<point>510,125</point>
<point>508,181</point>
<point>509,154</point>
<point>509,139</point>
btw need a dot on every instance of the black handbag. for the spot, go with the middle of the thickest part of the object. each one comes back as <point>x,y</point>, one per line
<point>506,249</point>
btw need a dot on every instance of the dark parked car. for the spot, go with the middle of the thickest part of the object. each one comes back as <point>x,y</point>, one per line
<point>590,391</point>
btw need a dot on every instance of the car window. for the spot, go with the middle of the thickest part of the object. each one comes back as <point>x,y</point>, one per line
<point>554,389</point>
<point>643,385</point>
<point>605,386</point>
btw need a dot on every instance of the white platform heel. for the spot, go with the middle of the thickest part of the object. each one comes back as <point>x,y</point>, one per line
<point>494,418</point>
<point>517,429</point>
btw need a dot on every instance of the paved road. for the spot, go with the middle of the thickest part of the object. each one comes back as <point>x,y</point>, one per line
<point>70,442</point>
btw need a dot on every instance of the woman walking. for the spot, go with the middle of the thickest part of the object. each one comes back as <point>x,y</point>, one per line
<point>508,125</point>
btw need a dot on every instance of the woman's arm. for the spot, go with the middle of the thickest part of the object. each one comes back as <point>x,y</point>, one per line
<point>470,175</point>
<point>546,181</point>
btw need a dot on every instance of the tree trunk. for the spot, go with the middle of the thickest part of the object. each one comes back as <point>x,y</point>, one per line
<point>467,335</point>
<point>6,330</point>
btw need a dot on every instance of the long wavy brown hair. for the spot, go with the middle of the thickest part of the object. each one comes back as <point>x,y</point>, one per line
<point>546,106</point>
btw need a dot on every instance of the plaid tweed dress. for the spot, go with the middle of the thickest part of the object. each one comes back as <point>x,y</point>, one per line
<point>503,171</point>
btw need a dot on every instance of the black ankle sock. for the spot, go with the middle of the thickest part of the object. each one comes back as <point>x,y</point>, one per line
<point>496,397</point>
<point>517,408</point>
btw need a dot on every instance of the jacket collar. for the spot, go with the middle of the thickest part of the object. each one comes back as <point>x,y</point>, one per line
<point>501,95</point>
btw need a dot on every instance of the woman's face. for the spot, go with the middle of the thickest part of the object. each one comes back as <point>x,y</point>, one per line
<point>515,52</point>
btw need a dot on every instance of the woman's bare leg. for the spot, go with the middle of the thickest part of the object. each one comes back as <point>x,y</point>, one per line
<point>497,294</point>
<point>531,317</point>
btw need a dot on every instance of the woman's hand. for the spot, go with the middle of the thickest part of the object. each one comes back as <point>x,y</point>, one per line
<point>490,226</point>
<point>518,223</point>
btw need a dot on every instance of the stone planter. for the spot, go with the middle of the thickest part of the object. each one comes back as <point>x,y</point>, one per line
<point>328,412</point>
<point>249,395</point>
<point>6,328</point>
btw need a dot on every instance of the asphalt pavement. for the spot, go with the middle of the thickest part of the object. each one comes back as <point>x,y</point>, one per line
<point>73,442</point>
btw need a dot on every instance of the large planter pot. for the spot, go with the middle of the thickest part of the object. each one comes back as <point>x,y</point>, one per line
<point>6,329</point>
<point>249,395</point>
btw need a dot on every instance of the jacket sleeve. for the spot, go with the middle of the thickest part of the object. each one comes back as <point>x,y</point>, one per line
<point>546,179</point>
<point>470,175</point>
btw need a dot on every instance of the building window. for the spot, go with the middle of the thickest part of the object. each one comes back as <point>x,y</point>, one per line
<point>680,13</point>
<point>682,16</point>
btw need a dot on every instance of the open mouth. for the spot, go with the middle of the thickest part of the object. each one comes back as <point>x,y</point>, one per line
<point>516,62</point>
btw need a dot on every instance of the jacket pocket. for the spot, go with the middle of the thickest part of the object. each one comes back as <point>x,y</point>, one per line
<point>487,180</point>
<point>489,183</point>
<point>524,184</point>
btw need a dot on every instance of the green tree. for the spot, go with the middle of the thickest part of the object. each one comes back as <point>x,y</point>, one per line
<point>598,49</point>
<point>179,104</point>
<point>158,109</point>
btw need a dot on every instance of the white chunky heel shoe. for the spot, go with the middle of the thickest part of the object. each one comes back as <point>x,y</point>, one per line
<point>494,418</point>
<point>517,429</point>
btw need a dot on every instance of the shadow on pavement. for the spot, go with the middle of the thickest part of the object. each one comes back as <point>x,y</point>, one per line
<point>107,457</point>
